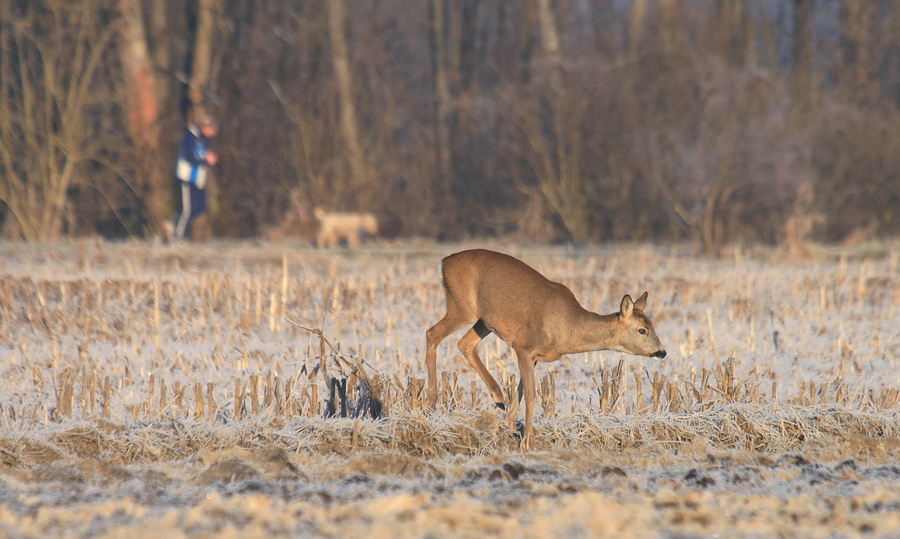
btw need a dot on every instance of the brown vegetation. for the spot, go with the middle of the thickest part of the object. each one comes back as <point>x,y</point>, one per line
<point>553,121</point>
<point>54,326</point>
<point>219,388</point>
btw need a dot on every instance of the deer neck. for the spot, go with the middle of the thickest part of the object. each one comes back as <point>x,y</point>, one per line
<point>590,331</point>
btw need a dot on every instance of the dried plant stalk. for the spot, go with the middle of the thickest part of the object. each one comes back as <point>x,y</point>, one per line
<point>254,393</point>
<point>106,391</point>
<point>238,400</point>
<point>198,400</point>
<point>211,402</point>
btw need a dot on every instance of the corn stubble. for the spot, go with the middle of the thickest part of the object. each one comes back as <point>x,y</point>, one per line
<point>312,352</point>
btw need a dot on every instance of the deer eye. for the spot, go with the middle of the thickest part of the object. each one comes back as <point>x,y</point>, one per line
<point>642,331</point>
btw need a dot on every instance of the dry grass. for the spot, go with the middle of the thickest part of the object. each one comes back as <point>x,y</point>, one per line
<point>231,338</point>
<point>207,388</point>
<point>721,427</point>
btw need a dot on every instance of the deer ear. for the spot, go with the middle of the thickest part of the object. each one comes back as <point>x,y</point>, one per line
<point>627,306</point>
<point>641,302</point>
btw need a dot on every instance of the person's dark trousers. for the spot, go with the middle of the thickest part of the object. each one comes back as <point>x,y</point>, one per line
<point>193,203</point>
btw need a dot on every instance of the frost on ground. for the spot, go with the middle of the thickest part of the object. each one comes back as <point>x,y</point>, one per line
<point>639,493</point>
<point>181,390</point>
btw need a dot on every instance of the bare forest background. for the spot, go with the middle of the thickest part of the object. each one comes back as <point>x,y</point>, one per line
<point>571,120</point>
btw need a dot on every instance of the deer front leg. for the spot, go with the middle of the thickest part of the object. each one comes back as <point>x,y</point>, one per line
<point>513,413</point>
<point>527,390</point>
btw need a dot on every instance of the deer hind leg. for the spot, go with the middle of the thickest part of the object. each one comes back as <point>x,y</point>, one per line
<point>467,346</point>
<point>453,320</point>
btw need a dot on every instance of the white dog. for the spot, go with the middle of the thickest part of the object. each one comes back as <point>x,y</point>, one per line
<point>334,227</point>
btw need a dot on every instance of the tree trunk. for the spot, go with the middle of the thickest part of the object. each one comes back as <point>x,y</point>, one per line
<point>857,21</point>
<point>730,31</point>
<point>549,33</point>
<point>801,53</point>
<point>636,23</point>
<point>531,40</point>
<point>142,103</point>
<point>340,57</point>
<point>671,20</point>
<point>201,60</point>
<point>143,106</point>
<point>162,50</point>
<point>441,110</point>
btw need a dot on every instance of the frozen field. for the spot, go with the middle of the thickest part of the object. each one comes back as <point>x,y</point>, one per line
<point>182,390</point>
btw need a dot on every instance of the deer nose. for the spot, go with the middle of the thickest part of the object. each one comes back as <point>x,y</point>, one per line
<point>661,354</point>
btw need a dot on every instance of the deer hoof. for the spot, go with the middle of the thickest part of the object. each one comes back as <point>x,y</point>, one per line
<point>518,430</point>
<point>525,445</point>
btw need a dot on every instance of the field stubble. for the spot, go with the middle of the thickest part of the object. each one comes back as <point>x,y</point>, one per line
<point>186,388</point>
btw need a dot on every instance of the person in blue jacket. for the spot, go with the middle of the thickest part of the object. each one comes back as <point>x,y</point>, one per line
<point>192,170</point>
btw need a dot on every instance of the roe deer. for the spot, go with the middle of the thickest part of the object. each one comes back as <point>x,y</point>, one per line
<point>540,319</point>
